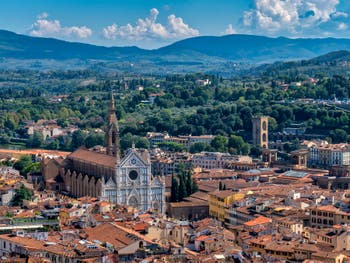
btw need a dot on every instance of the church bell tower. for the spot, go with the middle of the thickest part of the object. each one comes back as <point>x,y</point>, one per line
<point>112,131</point>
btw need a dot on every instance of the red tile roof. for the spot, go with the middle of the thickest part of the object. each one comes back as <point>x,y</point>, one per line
<point>261,220</point>
<point>93,157</point>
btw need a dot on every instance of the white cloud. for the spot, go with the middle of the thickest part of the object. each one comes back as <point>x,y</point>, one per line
<point>43,15</point>
<point>44,27</point>
<point>339,14</point>
<point>177,28</point>
<point>230,30</point>
<point>294,17</point>
<point>110,32</point>
<point>149,28</point>
<point>342,26</point>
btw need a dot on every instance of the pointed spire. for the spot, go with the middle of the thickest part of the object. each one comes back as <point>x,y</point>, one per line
<point>112,132</point>
<point>112,103</point>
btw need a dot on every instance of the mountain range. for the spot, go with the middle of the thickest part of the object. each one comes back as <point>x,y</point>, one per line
<point>202,53</point>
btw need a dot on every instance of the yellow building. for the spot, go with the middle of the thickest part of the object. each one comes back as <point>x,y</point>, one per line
<point>220,201</point>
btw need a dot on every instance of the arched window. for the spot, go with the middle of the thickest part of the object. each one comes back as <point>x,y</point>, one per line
<point>264,125</point>
<point>133,202</point>
<point>264,137</point>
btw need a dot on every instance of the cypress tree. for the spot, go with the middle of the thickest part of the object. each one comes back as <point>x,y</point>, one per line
<point>189,183</point>
<point>183,190</point>
<point>174,190</point>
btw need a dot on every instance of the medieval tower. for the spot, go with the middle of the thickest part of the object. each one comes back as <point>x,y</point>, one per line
<point>261,131</point>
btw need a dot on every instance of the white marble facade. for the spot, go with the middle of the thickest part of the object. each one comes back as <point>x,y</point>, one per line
<point>133,184</point>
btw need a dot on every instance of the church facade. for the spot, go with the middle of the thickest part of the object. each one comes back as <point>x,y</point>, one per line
<point>134,184</point>
<point>125,180</point>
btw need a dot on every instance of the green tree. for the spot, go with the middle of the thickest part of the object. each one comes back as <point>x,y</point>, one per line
<point>22,193</point>
<point>36,140</point>
<point>172,146</point>
<point>237,145</point>
<point>255,151</point>
<point>188,181</point>
<point>194,186</point>
<point>78,138</point>
<point>10,123</point>
<point>338,136</point>
<point>182,187</point>
<point>128,139</point>
<point>199,147</point>
<point>54,145</point>
<point>219,143</point>
<point>174,189</point>
<point>94,139</point>
<point>23,162</point>
<point>32,168</point>
<point>142,142</point>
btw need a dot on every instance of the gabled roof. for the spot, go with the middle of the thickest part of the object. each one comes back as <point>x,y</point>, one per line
<point>141,154</point>
<point>108,232</point>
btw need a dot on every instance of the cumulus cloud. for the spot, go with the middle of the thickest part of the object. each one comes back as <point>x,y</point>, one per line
<point>44,27</point>
<point>149,28</point>
<point>230,30</point>
<point>342,26</point>
<point>295,17</point>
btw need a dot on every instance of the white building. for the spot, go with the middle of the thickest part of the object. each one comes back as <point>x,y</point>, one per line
<point>216,160</point>
<point>325,155</point>
<point>134,185</point>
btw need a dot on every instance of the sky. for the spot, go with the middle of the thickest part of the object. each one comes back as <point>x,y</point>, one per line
<point>155,23</point>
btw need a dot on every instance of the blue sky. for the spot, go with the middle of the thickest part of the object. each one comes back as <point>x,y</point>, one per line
<point>155,23</point>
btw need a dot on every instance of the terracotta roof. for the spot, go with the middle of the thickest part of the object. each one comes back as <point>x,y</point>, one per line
<point>107,232</point>
<point>52,245</point>
<point>328,208</point>
<point>222,194</point>
<point>325,254</point>
<point>280,246</point>
<point>93,157</point>
<point>202,238</point>
<point>140,226</point>
<point>200,195</point>
<point>24,214</point>
<point>258,221</point>
<point>189,204</point>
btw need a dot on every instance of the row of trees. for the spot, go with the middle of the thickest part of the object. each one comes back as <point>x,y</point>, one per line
<point>182,184</point>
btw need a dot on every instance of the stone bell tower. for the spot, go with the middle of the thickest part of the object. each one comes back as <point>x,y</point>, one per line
<point>261,131</point>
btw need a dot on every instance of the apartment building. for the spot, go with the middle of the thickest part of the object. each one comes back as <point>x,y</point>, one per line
<point>216,160</point>
<point>323,154</point>
<point>219,202</point>
<point>327,216</point>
